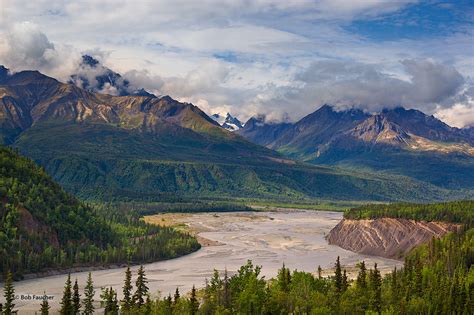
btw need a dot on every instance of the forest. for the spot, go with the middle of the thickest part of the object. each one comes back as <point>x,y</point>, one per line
<point>437,278</point>
<point>43,227</point>
<point>461,211</point>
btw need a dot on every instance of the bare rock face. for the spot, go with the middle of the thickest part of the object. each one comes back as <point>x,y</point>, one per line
<point>386,237</point>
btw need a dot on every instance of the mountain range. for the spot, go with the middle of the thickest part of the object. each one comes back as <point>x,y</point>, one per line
<point>397,141</point>
<point>144,147</point>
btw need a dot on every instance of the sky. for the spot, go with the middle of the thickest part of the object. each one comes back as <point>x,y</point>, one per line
<point>281,59</point>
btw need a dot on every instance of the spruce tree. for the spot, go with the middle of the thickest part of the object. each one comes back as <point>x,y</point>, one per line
<point>89,296</point>
<point>45,305</point>
<point>375,280</point>
<point>66,301</point>
<point>169,301</point>
<point>127,291</point>
<point>176,296</point>
<point>109,297</point>
<point>226,290</point>
<point>9,294</point>
<point>345,282</point>
<point>76,298</point>
<point>193,302</point>
<point>338,277</point>
<point>362,276</point>
<point>283,278</point>
<point>394,287</point>
<point>142,289</point>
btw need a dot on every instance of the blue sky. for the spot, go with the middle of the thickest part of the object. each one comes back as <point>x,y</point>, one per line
<point>272,57</point>
<point>420,21</point>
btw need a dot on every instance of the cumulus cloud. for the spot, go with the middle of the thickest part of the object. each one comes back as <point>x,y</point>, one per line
<point>460,114</point>
<point>279,58</point>
<point>25,46</point>
<point>424,84</point>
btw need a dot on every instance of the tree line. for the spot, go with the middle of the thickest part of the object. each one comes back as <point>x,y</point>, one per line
<point>437,278</point>
<point>461,211</point>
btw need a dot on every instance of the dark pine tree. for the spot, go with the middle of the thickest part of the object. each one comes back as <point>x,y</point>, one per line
<point>89,292</point>
<point>45,305</point>
<point>76,298</point>
<point>375,284</point>
<point>345,281</point>
<point>284,278</point>
<point>226,290</point>
<point>193,302</point>
<point>362,276</point>
<point>176,296</point>
<point>127,291</point>
<point>142,289</point>
<point>338,277</point>
<point>109,297</point>
<point>169,302</point>
<point>9,295</point>
<point>66,301</point>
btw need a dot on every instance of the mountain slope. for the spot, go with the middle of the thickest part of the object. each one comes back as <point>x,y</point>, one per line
<point>398,141</point>
<point>147,148</point>
<point>42,226</point>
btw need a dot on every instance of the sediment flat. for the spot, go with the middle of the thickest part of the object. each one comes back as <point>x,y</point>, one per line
<point>293,237</point>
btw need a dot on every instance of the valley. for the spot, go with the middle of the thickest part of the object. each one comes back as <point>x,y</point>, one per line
<point>296,238</point>
<point>236,157</point>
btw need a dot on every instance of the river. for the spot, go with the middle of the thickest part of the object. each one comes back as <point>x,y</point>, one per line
<point>296,238</point>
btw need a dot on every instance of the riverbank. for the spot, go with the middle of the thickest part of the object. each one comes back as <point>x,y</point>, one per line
<point>269,239</point>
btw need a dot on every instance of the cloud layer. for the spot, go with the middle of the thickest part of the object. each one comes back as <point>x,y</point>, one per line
<point>278,58</point>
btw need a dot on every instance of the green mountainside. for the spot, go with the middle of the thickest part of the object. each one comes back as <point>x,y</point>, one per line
<point>42,226</point>
<point>150,148</point>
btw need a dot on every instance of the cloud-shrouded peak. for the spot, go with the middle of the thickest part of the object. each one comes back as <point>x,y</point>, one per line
<point>423,84</point>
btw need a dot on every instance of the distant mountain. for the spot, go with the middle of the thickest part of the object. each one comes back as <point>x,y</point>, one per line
<point>100,146</point>
<point>228,122</point>
<point>94,77</point>
<point>398,141</point>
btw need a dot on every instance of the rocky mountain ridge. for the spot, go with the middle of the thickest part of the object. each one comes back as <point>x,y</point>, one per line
<point>228,121</point>
<point>100,146</point>
<point>399,141</point>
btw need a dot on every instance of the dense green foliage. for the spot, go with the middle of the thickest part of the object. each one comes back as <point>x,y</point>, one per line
<point>437,278</point>
<point>130,166</point>
<point>41,226</point>
<point>88,302</point>
<point>454,211</point>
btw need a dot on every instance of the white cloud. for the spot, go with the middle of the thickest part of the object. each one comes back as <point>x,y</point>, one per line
<point>246,57</point>
<point>26,47</point>
<point>459,115</point>
<point>428,86</point>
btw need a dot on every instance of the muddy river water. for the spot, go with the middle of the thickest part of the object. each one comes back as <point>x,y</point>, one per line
<point>296,238</point>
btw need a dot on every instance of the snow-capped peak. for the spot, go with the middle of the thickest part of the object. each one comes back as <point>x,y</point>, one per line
<point>228,121</point>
